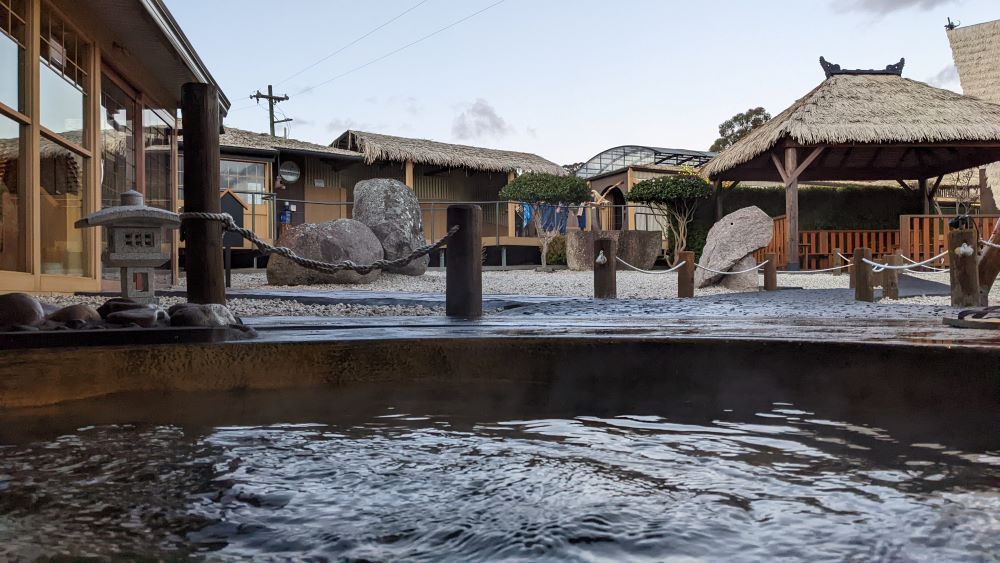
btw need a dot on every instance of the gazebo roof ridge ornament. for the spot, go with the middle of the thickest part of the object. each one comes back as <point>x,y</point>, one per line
<point>831,69</point>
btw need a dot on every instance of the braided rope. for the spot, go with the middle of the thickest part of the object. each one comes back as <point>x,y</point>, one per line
<point>655,272</point>
<point>327,267</point>
<point>747,271</point>
<point>876,267</point>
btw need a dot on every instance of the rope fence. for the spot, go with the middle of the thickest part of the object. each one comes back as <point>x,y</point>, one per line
<point>327,267</point>
<point>877,267</point>
<point>654,272</point>
<point>747,271</point>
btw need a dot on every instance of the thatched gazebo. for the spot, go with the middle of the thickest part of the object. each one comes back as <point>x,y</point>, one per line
<point>864,125</point>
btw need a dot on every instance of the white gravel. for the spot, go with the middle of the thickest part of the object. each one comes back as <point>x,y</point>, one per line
<point>275,307</point>
<point>631,285</point>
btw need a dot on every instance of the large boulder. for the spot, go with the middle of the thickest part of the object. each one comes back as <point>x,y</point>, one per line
<point>391,210</point>
<point>749,281</point>
<point>333,241</point>
<point>639,248</point>
<point>730,240</point>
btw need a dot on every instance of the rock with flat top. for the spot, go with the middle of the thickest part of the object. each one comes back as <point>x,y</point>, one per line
<point>731,240</point>
<point>333,241</point>
<point>78,312</point>
<point>391,210</point>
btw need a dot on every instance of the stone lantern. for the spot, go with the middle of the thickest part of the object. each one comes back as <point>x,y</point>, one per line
<point>135,234</point>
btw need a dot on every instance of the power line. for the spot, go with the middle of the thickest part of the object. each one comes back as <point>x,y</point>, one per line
<point>394,51</point>
<point>355,42</point>
<point>271,100</point>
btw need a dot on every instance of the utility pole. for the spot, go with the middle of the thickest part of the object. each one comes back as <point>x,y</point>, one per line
<point>271,100</point>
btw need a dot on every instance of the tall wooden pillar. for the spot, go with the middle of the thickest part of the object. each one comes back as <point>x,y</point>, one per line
<point>792,206</point>
<point>717,193</point>
<point>203,250</point>
<point>408,174</point>
<point>922,183</point>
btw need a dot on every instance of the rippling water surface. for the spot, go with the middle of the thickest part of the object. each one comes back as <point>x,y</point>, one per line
<point>395,482</point>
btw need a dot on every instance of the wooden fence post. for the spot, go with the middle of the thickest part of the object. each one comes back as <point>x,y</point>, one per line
<point>964,268</point>
<point>864,289</point>
<point>837,261</point>
<point>890,278</point>
<point>203,239</point>
<point>605,282</point>
<point>685,275</point>
<point>464,269</point>
<point>771,272</point>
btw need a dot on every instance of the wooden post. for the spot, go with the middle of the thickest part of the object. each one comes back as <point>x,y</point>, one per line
<point>964,268</point>
<point>685,276</point>
<point>837,261</point>
<point>203,260</point>
<point>864,288</point>
<point>605,282</point>
<point>408,174</point>
<point>890,278</point>
<point>717,192</point>
<point>464,270</point>
<point>771,272</point>
<point>792,207</point>
<point>922,184</point>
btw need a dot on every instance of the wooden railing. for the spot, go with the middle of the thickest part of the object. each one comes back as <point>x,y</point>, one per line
<point>925,236</point>
<point>778,244</point>
<point>817,248</point>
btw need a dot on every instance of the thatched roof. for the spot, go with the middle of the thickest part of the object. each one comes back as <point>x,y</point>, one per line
<point>876,109</point>
<point>378,147</point>
<point>976,50</point>
<point>240,139</point>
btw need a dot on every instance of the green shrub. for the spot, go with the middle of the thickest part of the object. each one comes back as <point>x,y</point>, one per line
<point>538,188</point>
<point>557,251</point>
<point>535,187</point>
<point>673,200</point>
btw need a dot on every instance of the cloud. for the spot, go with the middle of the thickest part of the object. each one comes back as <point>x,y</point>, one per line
<point>339,125</point>
<point>304,122</point>
<point>479,120</point>
<point>948,76</point>
<point>883,7</point>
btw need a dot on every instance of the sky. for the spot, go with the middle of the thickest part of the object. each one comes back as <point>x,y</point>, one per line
<point>565,79</point>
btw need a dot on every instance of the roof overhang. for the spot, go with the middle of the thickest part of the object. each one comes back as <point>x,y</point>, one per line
<point>868,161</point>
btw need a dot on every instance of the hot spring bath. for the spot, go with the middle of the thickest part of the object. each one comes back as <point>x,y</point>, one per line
<point>589,449</point>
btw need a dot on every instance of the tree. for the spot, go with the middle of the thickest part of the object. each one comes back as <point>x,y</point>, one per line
<point>545,191</point>
<point>673,200</point>
<point>737,127</point>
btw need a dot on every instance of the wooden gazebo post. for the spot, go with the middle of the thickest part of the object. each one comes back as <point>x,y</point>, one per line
<point>790,170</point>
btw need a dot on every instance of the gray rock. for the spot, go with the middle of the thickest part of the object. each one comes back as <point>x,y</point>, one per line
<point>145,317</point>
<point>742,282</point>
<point>116,304</point>
<point>391,210</point>
<point>79,312</point>
<point>732,239</point>
<point>201,315</point>
<point>639,248</point>
<point>333,241</point>
<point>19,309</point>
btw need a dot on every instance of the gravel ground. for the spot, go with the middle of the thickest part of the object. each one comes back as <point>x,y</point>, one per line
<point>631,285</point>
<point>274,307</point>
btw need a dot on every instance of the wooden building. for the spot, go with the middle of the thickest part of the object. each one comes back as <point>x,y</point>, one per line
<point>89,93</point>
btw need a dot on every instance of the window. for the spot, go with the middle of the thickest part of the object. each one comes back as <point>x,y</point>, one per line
<point>12,44</point>
<point>13,137</point>
<point>245,179</point>
<point>64,163</point>
<point>117,142</point>
<point>63,78</point>
<point>13,206</point>
<point>157,146</point>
